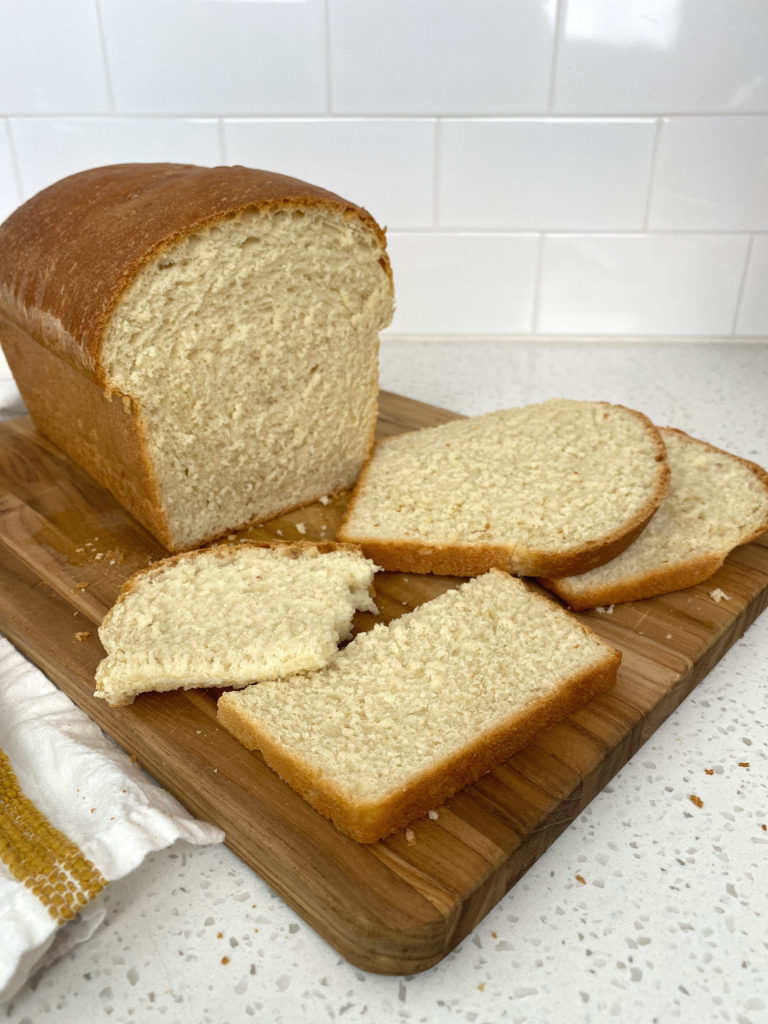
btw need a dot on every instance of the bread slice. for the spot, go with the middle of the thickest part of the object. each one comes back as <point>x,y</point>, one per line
<point>230,615</point>
<point>715,502</point>
<point>411,712</point>
<point>204,341</point>
<point>546,490</point>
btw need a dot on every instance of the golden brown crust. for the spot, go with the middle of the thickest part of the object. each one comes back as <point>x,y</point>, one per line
<point>369,822</point>
<point>661,579</point>
<point>664,580</point>
<point>68,254</point>
<point>102,433</point>
<point>419,556</point>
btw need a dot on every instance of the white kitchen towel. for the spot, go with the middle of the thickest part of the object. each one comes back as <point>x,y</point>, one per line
<point>75,814</point>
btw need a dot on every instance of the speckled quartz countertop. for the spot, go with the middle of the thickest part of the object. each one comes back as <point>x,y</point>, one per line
<point>648,908</point>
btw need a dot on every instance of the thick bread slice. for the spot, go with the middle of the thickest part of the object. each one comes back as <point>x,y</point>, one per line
<point>202,340</point>
<point>545,490</point>
<point>411,712</point>
<point>715,502</point>
<point>230,615</point>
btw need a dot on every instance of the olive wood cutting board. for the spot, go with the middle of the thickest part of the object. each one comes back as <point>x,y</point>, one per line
<point>399,905</point>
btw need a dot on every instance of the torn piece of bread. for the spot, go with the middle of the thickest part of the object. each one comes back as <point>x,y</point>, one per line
<point>715,502</point>
<point>545,490</point>
<point>202,340</point>
<point>230,615</point>
<point>411,712</point>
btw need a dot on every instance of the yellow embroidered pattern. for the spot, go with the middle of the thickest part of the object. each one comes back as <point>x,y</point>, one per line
<point>40,856</point>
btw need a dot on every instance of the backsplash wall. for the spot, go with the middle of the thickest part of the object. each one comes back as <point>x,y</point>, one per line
<point>581,167</point>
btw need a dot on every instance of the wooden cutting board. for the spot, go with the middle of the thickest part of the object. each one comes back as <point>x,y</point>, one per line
<point>399,905</point>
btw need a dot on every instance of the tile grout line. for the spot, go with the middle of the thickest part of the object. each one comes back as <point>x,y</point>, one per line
<point>742,286</point>
<point>15,163</point>
<point>652,174</point>
<point>555,56</point>
<point>103,44</point>
<point>536,305</point>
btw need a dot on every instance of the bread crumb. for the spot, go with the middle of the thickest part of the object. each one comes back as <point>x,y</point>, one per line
<point>410,836</point>
<point>696,800</point>
<point>709,771</point>
<point>279,533</point>
<point>605,611</point>
<point>81,586</point>
<point>433,815</point>
<point>225,960</point>
<point>764,828</point>
<point>667,636</point>
<point>301,527</point>
<point>719,595</point>
<point>743,764</point>
<point>219,935</point>
<point>82,635</point>
<point>580,879</point>
<point>98,556</point>
<point>324,500</point>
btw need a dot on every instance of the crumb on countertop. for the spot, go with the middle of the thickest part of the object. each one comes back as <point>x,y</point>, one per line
<point>696,800</point>
<point>719,595</point>
<point>82,635</point>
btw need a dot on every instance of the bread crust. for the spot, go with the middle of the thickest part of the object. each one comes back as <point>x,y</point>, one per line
<point>67,256</point>
<point>419,556</point>
<point>369,822</point>
<point>661,579</point>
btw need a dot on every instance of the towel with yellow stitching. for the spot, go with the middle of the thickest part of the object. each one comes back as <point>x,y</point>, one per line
<point>75,814</point>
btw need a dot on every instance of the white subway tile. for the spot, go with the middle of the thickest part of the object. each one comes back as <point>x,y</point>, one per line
<point>662,56</point>
<point>52,60</point>
<point>432,57</point>
<point>51,148</point>
<point>640,284</point>
<point>712,173</point>
<point>538,174</point>
<point>463,283</point>
<point>385,165</point>
<point>10,196</point>
<point>753,312</point>
<point>226,57</point>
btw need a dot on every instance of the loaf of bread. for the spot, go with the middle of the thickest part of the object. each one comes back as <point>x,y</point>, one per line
<point>230,615</point>
<point>546,490</point>
<point>204,341</point>
<point>715,502</point>
<point>410,713</point>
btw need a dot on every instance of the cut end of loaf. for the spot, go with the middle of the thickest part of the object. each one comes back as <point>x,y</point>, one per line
<point>259,391</point>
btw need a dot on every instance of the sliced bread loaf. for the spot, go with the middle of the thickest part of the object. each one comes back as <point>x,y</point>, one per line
<point>204,341</point>
<point>546,490</point>
<point>230,615</point>
<point>411,712</point>
<point>715,502</point>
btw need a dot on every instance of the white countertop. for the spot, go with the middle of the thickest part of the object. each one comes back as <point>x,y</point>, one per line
<point>670,921</point>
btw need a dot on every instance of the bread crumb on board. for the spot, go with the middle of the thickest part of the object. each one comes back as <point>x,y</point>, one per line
<point>719,595</point>
<point>302,528</point>
<point>81,636</point>
<point>605,611</point>
<point>410,836</point>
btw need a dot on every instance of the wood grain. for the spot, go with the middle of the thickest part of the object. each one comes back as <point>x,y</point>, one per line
<point>398,906</point>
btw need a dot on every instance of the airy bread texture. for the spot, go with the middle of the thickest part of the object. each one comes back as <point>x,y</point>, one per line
<point>411,712</point>
<point>203,340</point>
<point>715,502</point>
<point>545,490</point>
<point>231,615</point>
